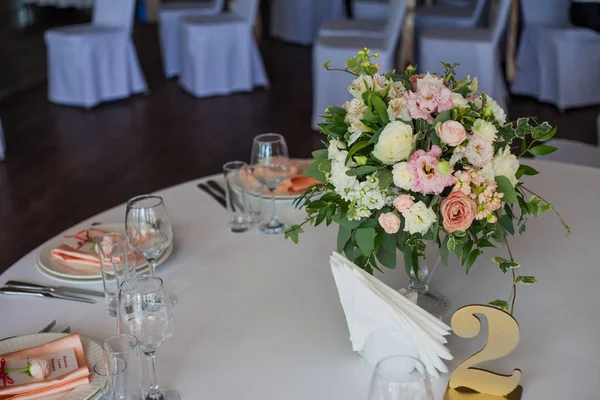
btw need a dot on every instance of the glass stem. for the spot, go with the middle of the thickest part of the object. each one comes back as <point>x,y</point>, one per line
<point>274,218</point>
<point>154,392</point>
<point>152,267</point>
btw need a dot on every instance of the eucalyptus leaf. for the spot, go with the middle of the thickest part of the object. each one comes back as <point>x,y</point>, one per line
<point>507,224</point>
<point>364,170</point>
<point>320,155</point>
<point>542,150</point>
<point>365,239</point>
<point>386,258</point>
<point>506,187</point>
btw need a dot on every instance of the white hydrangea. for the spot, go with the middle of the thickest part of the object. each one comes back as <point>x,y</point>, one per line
<point>334,148</point>
<point>337,176</point>
<point>365,197</point>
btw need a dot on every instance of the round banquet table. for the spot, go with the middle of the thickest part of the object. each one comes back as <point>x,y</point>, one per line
<point>259,317</point>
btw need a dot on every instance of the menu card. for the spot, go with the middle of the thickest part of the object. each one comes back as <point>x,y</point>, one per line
<point>61,363</point>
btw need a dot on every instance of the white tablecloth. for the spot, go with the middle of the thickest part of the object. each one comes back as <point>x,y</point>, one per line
<point>259,317</point>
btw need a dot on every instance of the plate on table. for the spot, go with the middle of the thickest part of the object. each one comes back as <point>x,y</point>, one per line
<point>298,167</point>
<point>54,269</point>
<point>93,354</point>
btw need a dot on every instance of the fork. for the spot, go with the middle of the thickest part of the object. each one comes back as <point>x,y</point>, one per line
<point>45,329</point>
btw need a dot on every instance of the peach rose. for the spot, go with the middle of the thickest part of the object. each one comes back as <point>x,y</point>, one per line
<point>390,222</point>
<point>404,202</point>
<point>458,212</point>
<point>451,132</point>
<point>39,369</point>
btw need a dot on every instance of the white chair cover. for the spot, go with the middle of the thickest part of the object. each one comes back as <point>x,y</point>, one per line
<point>61,3</point>
<point>450,15</point>
<point>169,18</point>
<point>298,21</point>
<point>2,144</point>
<point>572,152</point>
<point>476,50</point>
<point>373,28</point>
<point>557,62</point>
<point>370,9</point>
<point>92,63</point>
<point>219,53</point>
<point>331,88</point>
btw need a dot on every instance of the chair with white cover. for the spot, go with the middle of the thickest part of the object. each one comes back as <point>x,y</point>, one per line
<point>219,54</point>
<point>298,21</point>
<point>557,62</point>
<point>573,152</point>
<point>370,9</point>
<point>331,88</point>
<point>450,15</point>
<point>2,144</point>
<point>169,18</point>
<point>475,49</point>
<point>92,63</point>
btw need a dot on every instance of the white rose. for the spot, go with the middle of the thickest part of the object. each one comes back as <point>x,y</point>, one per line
<point>498,113</point>
<point>334,148</point>
<point>458,101</point>
<point>397,110</point>
<point>395,143</point>
<point>402,177</point>
<point>485,129</point>
<point>39,369</point>
<point>506,164</point>
<point>418,219</point>
<point>360,85</point>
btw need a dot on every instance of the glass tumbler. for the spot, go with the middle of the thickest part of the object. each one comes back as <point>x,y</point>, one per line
<point>400,378</point>
<point>117,263</point>
<point>126,348</point>
<point>235,193</point>
<point>112,378</point>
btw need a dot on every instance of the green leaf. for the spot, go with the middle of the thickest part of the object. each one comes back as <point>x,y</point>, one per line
<point>385,178</point>
<point>506,187</point>
<point>444,250</point>
<point>533,205</point>
<point>386,258</point>
<point>376,135</point>
<point>408,259</point>
<point>451,245</point>
<point>380,108</point>
<point>466,250</point>
<point>320,155</point>
<point>507,224</point>
<point>351,251</point>
<point>312,171</point>
<point>501,304</point>
<point>293,232</point>
<point>343,220</point>
<point>389,243</point>
<point>549,135</point>
<point>355,148</point>
<point>526,280</point>
<point>526,170</point>
<point>364,170</point>
<point>365,239</point>
<point>482,243</point>
<point>442,117</point>
<point>523,146</point>
<point>542,150</point>
<point>546,207</point>
<point>471,259</point>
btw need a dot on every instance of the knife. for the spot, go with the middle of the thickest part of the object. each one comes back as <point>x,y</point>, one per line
<point>57,289</point>
<point>215,185</point>
<point>44,293</point>
<point>219,199</point>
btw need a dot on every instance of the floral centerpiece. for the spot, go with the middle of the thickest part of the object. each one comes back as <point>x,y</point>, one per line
<point>413,159</point>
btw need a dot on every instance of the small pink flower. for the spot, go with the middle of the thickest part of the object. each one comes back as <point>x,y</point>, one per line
<point>427,178</point>
<point>404,202</point>
<point>479,151</point>
<point>451,132</point>
<point>390,222</point>
<point>429,95</point>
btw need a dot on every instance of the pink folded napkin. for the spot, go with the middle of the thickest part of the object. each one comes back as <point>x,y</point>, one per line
<point>295,184</point>
<point>48,387</point>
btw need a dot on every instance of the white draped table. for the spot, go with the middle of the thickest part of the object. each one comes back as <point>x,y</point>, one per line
<point>259,317</point>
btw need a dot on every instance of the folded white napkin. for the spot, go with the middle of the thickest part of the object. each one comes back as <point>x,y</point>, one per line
<point>369,305</point>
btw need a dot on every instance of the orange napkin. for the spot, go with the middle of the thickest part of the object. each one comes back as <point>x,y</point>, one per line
<point>49,387</point>
<point>296,184</point>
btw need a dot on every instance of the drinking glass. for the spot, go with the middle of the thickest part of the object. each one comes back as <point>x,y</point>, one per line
<point>254,194</point>
<point>112,378</point>
<point>125,347</point>
<point>235,193</point>
<point>149,229</point>
<point>117,263</point>
<point>270,165</point>
<point>400,378</point>
<point>145,312</point>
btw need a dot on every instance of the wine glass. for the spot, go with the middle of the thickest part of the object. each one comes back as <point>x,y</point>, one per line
<point>400,378</point>
<point>145,312</point>
<point>270,165</point>
<point>149,229</point>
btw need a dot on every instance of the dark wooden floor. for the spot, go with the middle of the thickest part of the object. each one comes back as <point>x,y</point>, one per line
<point>66,164</point>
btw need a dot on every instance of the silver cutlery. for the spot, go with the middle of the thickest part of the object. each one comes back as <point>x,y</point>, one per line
<point>44,293</point>
<point>220,190</point>
<point>57,289</point>
<point>207,190</point>
<point>45,329</point>
<point>66,330</point>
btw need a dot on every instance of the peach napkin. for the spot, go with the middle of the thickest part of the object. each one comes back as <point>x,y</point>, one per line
<point>49,387</point>
<point>296,184</point>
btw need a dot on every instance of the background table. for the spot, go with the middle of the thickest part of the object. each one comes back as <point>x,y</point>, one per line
<point>259,317</point>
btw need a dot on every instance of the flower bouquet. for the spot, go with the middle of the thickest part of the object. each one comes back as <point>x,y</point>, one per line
<point>413,159</point>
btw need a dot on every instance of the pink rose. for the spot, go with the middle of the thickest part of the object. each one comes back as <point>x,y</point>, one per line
<point>413,80</point>
<point>458,212</point>
<point>429,95</point>
<point>39,369</point>
<point>451,132</point>
<point>390,222</point>
<point>404,202</point>
<point>428,179</point>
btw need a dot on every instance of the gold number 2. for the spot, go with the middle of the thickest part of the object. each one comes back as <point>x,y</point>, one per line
<point>503,336</point>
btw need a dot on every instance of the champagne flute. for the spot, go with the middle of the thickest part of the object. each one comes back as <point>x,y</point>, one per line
<point>400,378</point>
<point>145,312</point>
<point>270,165</point>
<point>149,229</point>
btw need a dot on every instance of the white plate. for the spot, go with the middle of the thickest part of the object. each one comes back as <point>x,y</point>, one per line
<point>49,267</point>
<point>93,354</point>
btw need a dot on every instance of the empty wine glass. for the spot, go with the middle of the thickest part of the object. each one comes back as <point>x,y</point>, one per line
<point>145,312</point>
<point>400,378</point>
<point>270,165</point>
<point>149,229</point>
